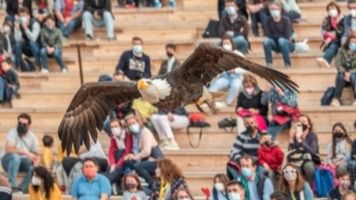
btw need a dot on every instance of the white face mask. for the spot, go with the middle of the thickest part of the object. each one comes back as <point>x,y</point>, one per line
<point>219,186</point>
<point>353,13</point>
<point>234,196</point>
<point>117,132</point>
<point>227,47</point>
<point>36,181</point>
<point>137,49</point>
<point>333,13</point>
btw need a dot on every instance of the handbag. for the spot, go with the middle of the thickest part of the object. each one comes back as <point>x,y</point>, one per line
<point>196,120</point>
<point>227,123</point>
<point>285,113</point>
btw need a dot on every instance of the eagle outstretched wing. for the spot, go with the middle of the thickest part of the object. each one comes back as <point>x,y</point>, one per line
<point>208,61</point>
<point>88,110</point>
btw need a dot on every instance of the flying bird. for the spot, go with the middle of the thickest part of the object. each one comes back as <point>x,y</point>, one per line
<point>185,85</point>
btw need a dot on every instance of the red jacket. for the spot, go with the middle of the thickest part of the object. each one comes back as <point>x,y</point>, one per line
<point>273,156</point>
<point>113,147</point>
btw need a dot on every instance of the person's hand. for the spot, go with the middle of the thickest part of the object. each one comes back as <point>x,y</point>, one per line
<point>50,50</point>
<point>292,135</point>
<point>253,111</point>
<point>112,168</point>
<point>119,76</point>
<point>206,192</point>
<point>129,157</point>
<point>298,135</point>
<point>347,76</point>
<point>67,20</point>
<point>239,109</point>
<point>97,16</point>
<point>266,166</point>
<point>170,117</point>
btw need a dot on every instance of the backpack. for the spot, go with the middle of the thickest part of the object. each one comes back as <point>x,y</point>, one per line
<point>323,181</point>
<point>328,96</point>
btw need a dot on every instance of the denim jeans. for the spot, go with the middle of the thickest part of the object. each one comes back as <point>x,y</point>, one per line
<point>107,21</point>
<point>274,128</point>
<point>282,45</point>
<point>340,84</point>
<point>143,169</point>
<point>241,43</point>
<point>14,163</point>
<point>260,16</point>
<point>70,27</point>
<point>29,49</point>
<point>231,81</point>
<point>330,51</point>
<point>57,54</point>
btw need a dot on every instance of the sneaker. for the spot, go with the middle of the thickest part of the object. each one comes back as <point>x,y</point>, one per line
<point>89,38</point>
<point>64,70</point>
<point>44,71</point>
<point>173,146</point>
<point>220,104</point>
<point>335,102</point>
<point>322,62</point>
<point>163,144</point>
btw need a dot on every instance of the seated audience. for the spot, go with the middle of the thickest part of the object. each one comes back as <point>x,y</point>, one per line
<point>219,189</point>
<point>339,148</point>
<point>351,165</point>
<point>21,153</point>
<point>7,39</point>
<point>69,15</point>
<point>132,188</point>
<point>249,102</point>
<point>344,184</point>
<point>236,191</point>
<point>43,185</point>
<point>332,29</point>
<point>98,13</point>
<point>64,172</point>
<point>256,186</point>
<point>5,189</point>
<point>278,35</point>
<point>91,185</point>
<point>27,39</point>
<point>349,196</point>
<point>293,184</point>
<point>164,122</point>
<point>134,64</point>
<point>9,82</point>
<point>270,155</point>
<point>51,41</point>
<point>235,26</point>
<point>171,62</point>
<point>291,10</point>
<point>230,80</point>
<point>47,157</point>
<point>345,62</point>
<point>38,5</point>
<point>307,141</point>
<point>284,107</point>
<point>120,147</point>
<point>349,20</point>
<point>258,10</point>
<point>145,150</point>
<point>13,7</point>
<point>171,178</point>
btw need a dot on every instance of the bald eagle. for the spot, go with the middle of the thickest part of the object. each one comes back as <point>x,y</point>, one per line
<point>185,85</point>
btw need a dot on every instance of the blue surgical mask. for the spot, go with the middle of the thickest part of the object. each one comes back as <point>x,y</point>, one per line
<point>234,196</point>
<point>134,129</point>
<point>137,49</point>
<point>275,13</point>
<point>230,10</point>
<point>246,172</point>
<point>352,46</point>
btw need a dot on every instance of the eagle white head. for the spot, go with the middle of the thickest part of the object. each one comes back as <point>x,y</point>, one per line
<point>154,90</point>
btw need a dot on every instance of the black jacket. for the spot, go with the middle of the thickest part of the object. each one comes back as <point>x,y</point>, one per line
<point>164,66</point>
<point>97,6</point>
<point>12,6</point>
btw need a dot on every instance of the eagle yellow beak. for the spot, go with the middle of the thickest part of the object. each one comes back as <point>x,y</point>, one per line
<point>142,84</point>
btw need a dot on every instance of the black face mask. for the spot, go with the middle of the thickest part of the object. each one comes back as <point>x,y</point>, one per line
<point>338,134</point>
<point>250,129</point>
<point>22,129</point>
<point>170,55</point>
<point>267,143</point>
<point>304,127</point>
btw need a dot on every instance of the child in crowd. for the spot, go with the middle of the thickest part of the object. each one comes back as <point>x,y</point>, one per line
<point>219,190</point>
<point>9,82</point>
<point>132,188</point>
<point>343,187</point>
<point>47,153</point>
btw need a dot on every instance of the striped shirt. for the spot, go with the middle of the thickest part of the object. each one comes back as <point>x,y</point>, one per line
<point>245,144</point>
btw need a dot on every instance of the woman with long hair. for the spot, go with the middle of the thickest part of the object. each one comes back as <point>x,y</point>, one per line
<point>171,178</point>
<point>43,186</point>
<point>219,189</point>
<point>339,148</point>
<point>293,184</point>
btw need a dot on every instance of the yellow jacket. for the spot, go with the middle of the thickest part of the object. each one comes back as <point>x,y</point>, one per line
<point>55,194</point>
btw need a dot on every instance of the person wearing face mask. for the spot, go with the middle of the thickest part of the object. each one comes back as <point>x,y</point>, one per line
<point>293,184</point>
<point>249,102</point>
<point>344,186</point>
<point>257,186</point>
<point>278,35</point>
<point>51,40</point>
<point>332,29</point>
<point>183,194</point>
<point>345,62</point>
<point>27,39</point>
<point>43,186</point>
<point>270,155</point>
<point>91,185</point>
<point>7,39</point>
<point>134,64</point>
<point>349,21</point>
<point>234,25</point>
<point>120,146</point>
<point>219,189</point>
<point>231,80</point>
<point>132,188</point>
<point>145,150</point>
<point>303,137</point>
<point>21,149</point>
<point>172,62</point>
<point>235,190</point>
<point>339,148</point>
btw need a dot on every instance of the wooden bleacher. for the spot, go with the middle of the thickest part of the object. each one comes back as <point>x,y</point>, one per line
<point>46,97</point>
